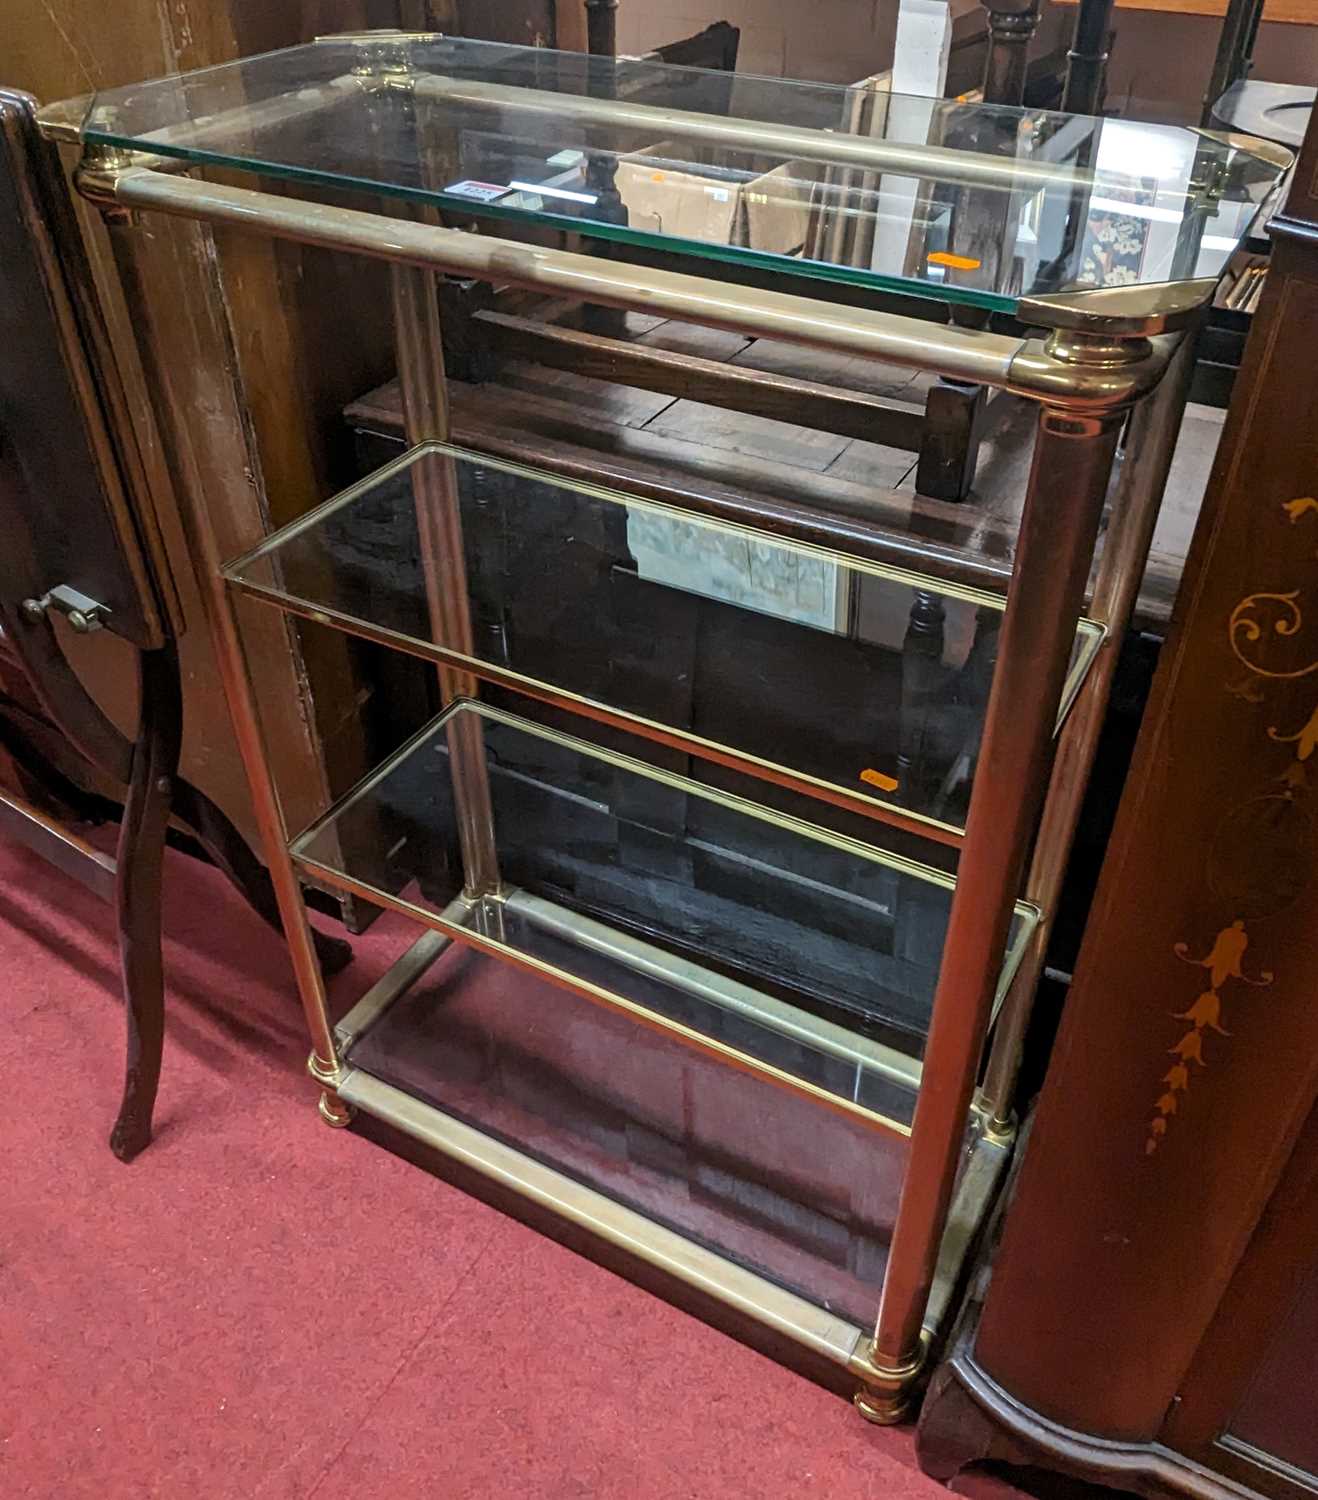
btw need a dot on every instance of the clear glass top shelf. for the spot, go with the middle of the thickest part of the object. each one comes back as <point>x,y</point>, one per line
<point>968,203</point>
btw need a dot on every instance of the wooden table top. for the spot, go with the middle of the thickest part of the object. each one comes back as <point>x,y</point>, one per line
<point>1288,12</point>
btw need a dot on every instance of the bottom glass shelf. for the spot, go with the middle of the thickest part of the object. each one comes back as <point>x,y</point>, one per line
<point>801,1196</point>
<point>787,950</point>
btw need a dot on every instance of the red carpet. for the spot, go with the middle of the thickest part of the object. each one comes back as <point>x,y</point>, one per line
<point>261,1307</point>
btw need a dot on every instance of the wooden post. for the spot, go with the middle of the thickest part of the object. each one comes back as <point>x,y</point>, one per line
<point>1012,24</point>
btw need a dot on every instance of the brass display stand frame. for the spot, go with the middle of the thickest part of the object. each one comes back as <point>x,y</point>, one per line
<point>1105,357</point>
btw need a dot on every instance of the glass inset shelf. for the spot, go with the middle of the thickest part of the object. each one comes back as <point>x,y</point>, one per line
<point>852,681</point>
<point>802,1195</point>
<point>977,204</point>
<point>775,945</point>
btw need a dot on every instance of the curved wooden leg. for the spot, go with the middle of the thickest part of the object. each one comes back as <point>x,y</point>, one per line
<point>138,886</point>
<point>954,1432</point>
<point>232,855</point>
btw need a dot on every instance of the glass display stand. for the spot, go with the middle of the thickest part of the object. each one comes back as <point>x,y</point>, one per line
<point>772,985</point>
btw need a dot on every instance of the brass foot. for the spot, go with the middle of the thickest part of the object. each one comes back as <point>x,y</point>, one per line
<point>334,1111</point>
<point>882,1410</point>
<point>884,1395</point>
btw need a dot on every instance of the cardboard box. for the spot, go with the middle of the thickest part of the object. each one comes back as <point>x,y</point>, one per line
<point>666,195</point>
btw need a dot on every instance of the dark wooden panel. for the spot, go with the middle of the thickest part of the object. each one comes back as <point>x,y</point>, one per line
<point>1188,1056</point>
<point>66,518</point>
<point>1255,1376</point>
<point>266,401</point>
<point>1278,1414</point>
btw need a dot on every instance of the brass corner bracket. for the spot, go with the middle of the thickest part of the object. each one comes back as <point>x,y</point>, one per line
<point>1121,311</point>
<point>1091,372</point>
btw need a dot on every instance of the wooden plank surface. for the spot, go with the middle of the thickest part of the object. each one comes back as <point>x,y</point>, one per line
<point>620,369</point>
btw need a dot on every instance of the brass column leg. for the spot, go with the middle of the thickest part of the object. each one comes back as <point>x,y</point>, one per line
<point>419,344</point>
<point>1063,505</point>
<point>323,1063</point>
<point>1150,441</point>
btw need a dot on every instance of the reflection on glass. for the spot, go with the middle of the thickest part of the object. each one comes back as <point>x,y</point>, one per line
<point>854,676</point>
<point>802,1195</point>
<point>973,203</point>
<point>758,934</point>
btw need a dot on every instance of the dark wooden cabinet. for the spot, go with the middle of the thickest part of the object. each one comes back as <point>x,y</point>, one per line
<point>1149,1317</point>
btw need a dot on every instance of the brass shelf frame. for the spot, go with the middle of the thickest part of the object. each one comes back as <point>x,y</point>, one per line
<point>477,923</point>
<point>1104,357</point>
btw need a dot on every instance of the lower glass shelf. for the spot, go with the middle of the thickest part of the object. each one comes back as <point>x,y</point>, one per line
<point>766,1180</point>
<point>792,952</point>
<point>859,683</point>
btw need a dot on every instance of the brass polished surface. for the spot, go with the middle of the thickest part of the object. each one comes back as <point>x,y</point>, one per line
<point>257,115</point>
<point>55,119</point>
<point>1039,370</point>
<point>1150,443</point>
<point>1121,311</point>
<point>733,996</point>
<point>62,120</point>
<point>327,1073</point>
<point>251,573</point>
<point>1104,353</point>
<point>687,1035</point>
<point>335,1113</point>
<point>420,346</point>
<point>1063,506</point>
<point>920,824</point>
<point>399,977</point>
<point>732,800</point>
<point>1089,372</point>
<point>975,1192</point>
<point>965,354</point>
<point>792,141</point>
<point>884,1395</point>
<point>385,64</point>
<point>377,36</point>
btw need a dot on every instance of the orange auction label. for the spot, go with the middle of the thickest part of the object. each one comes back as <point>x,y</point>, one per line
<point>878,779</point>
<point>957,262</point>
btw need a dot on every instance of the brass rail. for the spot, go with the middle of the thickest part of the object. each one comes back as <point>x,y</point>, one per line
<point>756,137</point>
<point>958,353</point>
